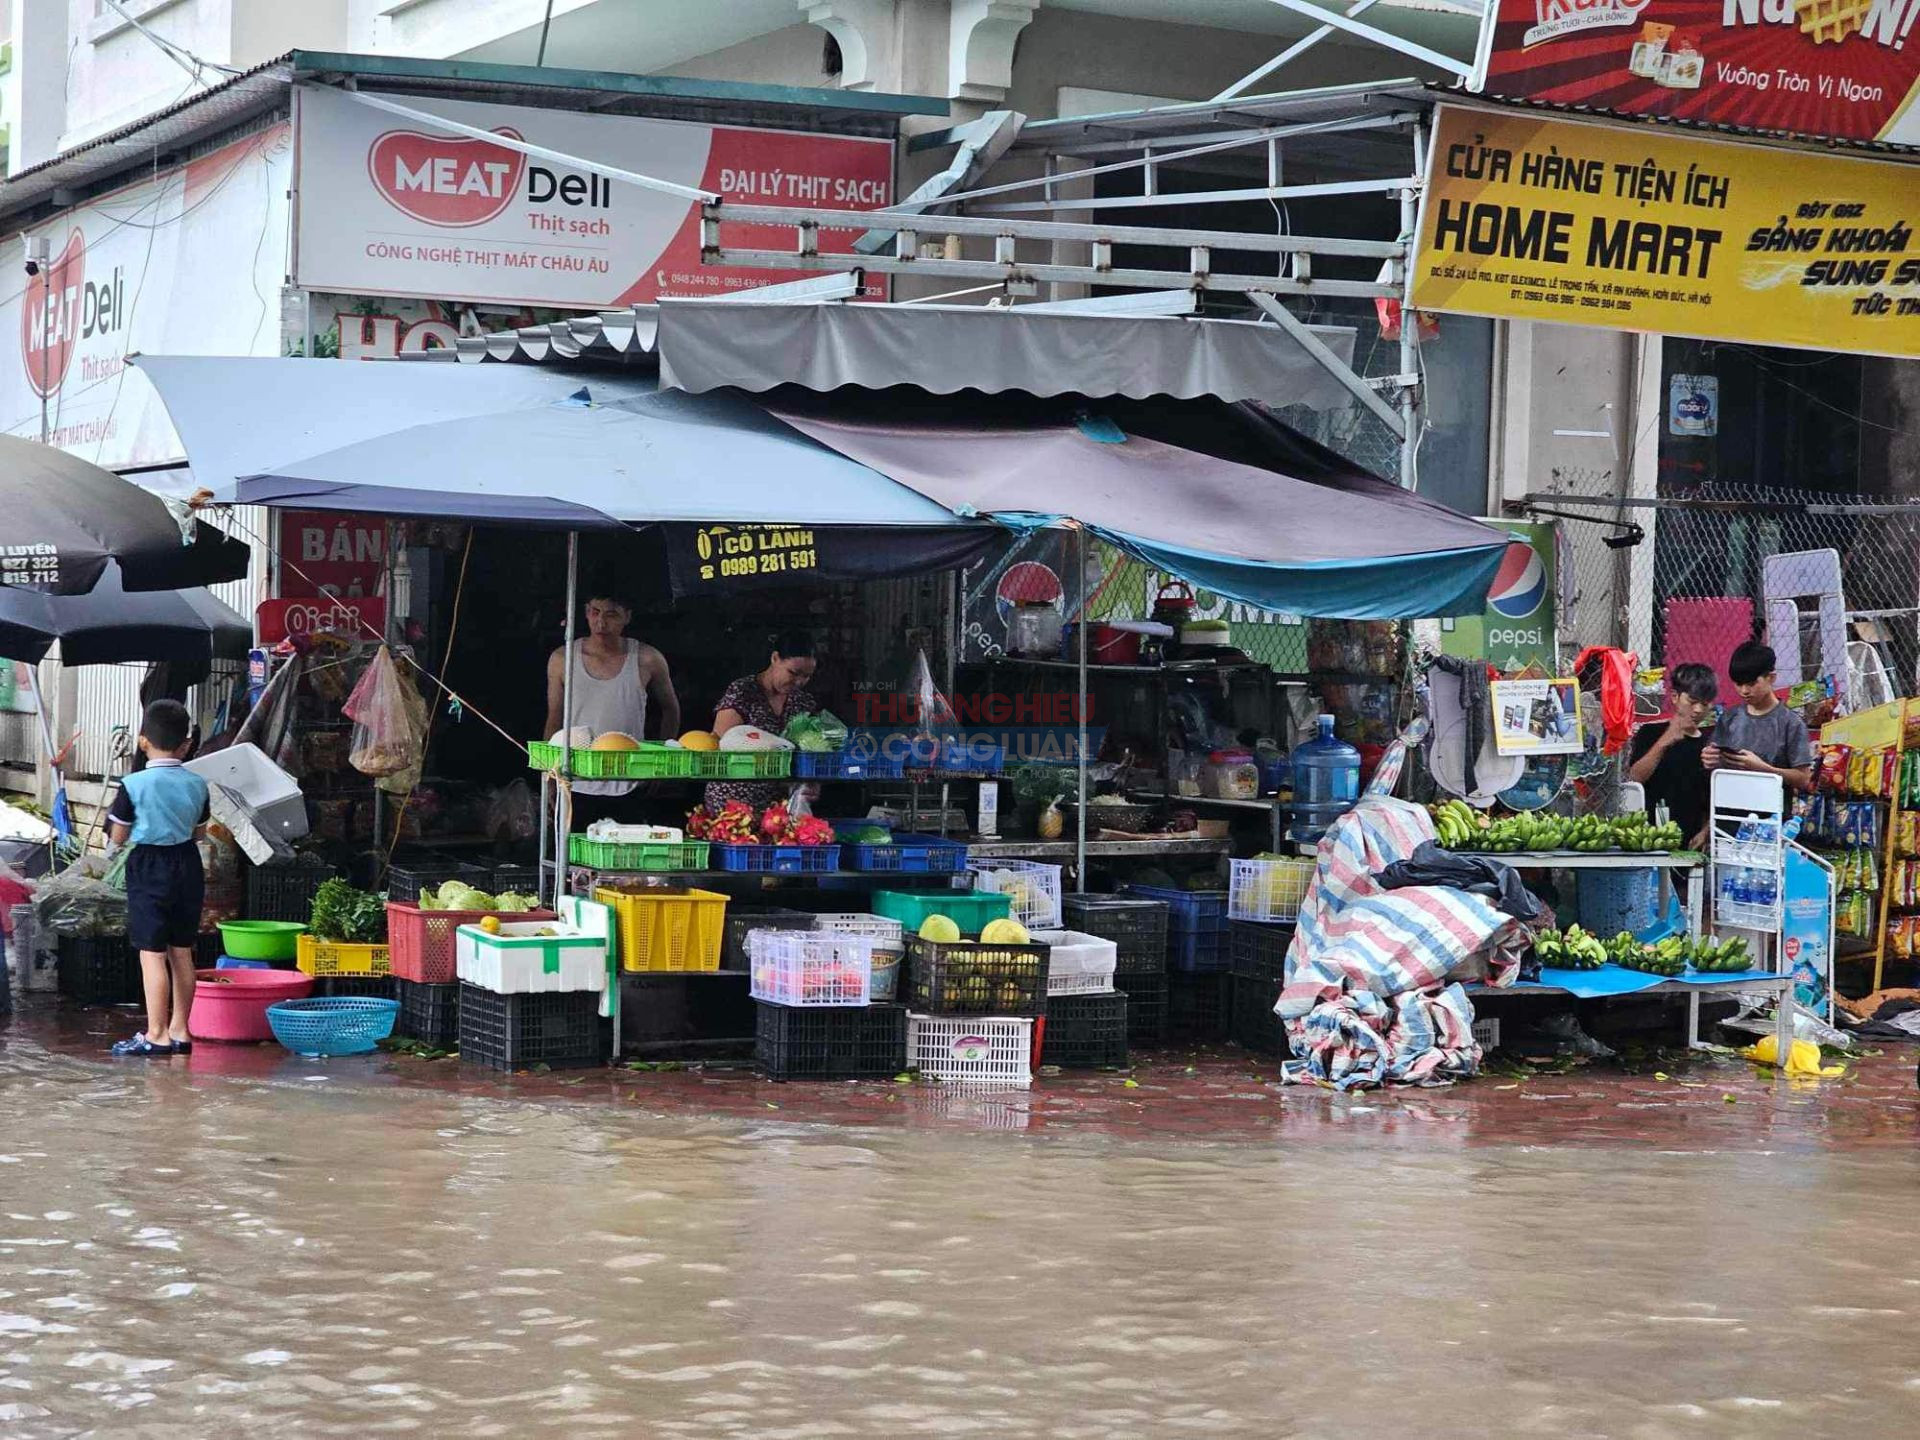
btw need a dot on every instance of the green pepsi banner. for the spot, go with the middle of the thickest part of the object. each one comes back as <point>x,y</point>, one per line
<point>1517,627</point>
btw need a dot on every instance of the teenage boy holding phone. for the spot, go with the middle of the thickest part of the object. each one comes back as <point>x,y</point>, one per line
<point>1762,735</point>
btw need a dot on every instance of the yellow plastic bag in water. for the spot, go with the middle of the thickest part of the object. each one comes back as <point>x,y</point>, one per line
<point>1803,1058</point>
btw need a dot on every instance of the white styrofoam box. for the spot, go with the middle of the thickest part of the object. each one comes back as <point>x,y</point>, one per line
<point>1268,890</point>
<point>1077,963</point>
<point>1033,887</point>
<point>520,961</point>
<point>972,1049</point>
<point>810,967</point>
<point>272,794</point>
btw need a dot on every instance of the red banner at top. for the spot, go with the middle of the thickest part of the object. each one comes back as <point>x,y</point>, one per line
<point>1843,69</point>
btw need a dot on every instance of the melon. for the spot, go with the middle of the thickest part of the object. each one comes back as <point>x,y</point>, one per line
<point>940,928</point>
<point>1005,932</point>
<point>615,740</point>
<point>580,738</point>
<point>699,740</point>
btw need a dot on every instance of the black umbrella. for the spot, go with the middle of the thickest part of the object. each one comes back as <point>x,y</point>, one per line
<point>62,519</point>
<point>106,625</point>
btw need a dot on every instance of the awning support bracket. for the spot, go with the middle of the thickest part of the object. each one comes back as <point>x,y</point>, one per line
<point>1332,364</point>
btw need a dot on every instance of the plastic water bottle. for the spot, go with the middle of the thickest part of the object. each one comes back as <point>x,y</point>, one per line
<point>1326,783</point>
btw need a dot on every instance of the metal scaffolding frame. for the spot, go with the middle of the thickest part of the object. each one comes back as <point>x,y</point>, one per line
<point>1374,136</point>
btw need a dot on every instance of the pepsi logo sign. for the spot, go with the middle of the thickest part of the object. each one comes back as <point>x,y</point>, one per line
<point>1520,584</point>
<point>450,180</point>
<point>50,318</point>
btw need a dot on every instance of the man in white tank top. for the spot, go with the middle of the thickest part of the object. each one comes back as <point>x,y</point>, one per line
<point>613,679</point>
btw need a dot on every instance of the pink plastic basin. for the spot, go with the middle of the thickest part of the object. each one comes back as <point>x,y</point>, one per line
<point>232,1004</point>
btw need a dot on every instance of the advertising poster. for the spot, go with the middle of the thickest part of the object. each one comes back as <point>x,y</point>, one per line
<point>1806,926</point>
<point>189,262</point>
<point>1836,69</point>
<point>1693,405</point>
<point>1517,627</point>
<point>1537,717</point>
<point>1530,218</point>
<point>385,207</point>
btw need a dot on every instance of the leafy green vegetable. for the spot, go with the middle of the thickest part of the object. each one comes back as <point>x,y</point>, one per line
<point>348,916</point>
<point>508,902</point>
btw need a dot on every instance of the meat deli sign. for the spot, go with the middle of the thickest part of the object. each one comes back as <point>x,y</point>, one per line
<point>389,208</point>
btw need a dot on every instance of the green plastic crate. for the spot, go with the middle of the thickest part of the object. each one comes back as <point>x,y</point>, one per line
<point>657,855</point>
<point>665,762</point>
<point>971,910</point>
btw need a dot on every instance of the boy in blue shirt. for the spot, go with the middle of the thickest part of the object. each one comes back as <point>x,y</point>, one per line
<point>162,810</point>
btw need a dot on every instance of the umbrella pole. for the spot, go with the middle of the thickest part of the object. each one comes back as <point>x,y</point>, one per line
<point>1080,833</point>
<point>566,719</point>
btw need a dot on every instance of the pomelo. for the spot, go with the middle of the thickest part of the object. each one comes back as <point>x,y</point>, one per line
<point>940,928</point>
<point>1005,932</point>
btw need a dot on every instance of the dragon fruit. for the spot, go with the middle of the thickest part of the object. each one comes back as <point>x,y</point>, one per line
<point>811,830</point>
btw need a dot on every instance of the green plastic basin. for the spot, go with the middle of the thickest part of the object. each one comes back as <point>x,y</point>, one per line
<point>260,939</point>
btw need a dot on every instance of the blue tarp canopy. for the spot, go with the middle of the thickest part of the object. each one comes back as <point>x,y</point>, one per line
<point>1219,494</point>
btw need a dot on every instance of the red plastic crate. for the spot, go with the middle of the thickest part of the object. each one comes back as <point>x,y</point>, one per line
<point>420,942</point>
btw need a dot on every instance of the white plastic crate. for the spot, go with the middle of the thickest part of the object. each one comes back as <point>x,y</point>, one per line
<point>1033,888</point>
<point>519,960</point>
<point>808,967</point>
<point>1268,890</point>
<point>871,927</point>
<point>1486,1031</point>
<point>1078,964</point>
<point>972,1049</point>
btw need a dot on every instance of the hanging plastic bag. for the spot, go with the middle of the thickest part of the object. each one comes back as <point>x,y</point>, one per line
<point>934,724</point>
<point>389,721</point>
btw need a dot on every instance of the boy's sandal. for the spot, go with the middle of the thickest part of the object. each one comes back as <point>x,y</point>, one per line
<point>141,1045</point>
<point>183,1047</point>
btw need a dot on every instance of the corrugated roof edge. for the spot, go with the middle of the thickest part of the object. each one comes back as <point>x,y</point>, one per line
<point>1459,95</point>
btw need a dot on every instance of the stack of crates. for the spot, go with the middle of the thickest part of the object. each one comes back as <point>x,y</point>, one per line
<point>528,998</point>
<point>813,997</point>
<point>972,1005</point>
<point>1138,929</point>
<point>284,890</point>
<point>1258,953</point>
<point>1086,1017</point>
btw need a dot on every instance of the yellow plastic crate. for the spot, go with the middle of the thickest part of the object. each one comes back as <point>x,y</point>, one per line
<point>667,928</point>
<point>328,957</point>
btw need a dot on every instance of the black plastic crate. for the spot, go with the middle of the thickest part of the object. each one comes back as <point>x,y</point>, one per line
<point>429,1013</point>
<point>1085,1031</point>
<point>285,890</point>
<point>207,950</point>
<point>405,882</point>
<point>510,877</point>
<point>830,1042</point>
<point>967,977</point>
<point>1253,1023</point>
<point>1146,992</point>
<point>562,1030</point>
<point>1257,949</point>
<point>331,987</point>
<point>1137,928</point>
<point>739,923</point>
<point>1199,1007</point>
<point>99,970</point>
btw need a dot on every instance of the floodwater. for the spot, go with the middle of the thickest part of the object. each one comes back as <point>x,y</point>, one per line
<point>198,1256</point>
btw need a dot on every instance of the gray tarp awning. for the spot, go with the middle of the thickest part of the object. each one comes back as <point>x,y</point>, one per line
<point>945,348</point>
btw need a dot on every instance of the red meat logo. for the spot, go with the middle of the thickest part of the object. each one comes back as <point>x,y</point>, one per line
<point>448,180</point>
<point>50,318</point>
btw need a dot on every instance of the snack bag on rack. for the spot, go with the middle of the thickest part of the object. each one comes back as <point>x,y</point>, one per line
<point>1900,936</point>
<point>1843,917</point>
<point>1833,767</point>
<point>1870,871</point>
<point>1890,773</point>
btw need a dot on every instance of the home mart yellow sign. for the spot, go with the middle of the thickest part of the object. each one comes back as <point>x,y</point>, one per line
<point>1531,218</point>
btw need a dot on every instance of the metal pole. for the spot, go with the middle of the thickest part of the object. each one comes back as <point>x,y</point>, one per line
<point>46,369</point>
<point>566,714</point>
<point>1410,396</point>
<point>1080,833</point>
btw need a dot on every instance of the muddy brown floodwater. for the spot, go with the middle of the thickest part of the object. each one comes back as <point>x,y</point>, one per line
<point>198,1255</point>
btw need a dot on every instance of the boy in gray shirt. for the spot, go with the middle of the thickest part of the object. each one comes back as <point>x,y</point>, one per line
<point>1762,735</point>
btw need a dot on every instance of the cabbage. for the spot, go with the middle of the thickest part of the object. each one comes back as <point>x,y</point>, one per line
<point>458,895</point>
<point>510,903</point>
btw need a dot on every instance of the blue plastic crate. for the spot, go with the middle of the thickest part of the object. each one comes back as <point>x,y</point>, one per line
<point>972,757</point>
<point>1196,927</point>
<point>909,855</point>
<point>1199,954</point>
<point>846,765</point>
<point>775,859</point>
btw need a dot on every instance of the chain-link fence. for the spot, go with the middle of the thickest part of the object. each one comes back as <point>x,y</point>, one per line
<point>1832,583</point>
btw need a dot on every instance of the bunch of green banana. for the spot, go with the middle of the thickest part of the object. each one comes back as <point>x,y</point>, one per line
<point>1464,829</point>
<point>1456,823</point>
<point>1713,955</point>
<point>1573,950</point>
<point>1668,957</point>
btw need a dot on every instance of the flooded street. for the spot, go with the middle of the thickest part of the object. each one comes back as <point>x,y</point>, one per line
<point>192,1254</point>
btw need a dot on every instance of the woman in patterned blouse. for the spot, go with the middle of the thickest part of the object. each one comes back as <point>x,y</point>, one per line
<point>768,701</point>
